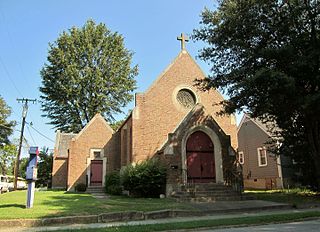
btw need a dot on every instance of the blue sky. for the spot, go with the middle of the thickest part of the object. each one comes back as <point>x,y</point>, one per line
<point>149,27</point>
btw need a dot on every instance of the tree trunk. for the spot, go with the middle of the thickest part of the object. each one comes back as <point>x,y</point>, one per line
<point>313,133</point>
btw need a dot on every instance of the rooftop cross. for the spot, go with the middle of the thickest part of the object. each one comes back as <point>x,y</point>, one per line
<point>183,39</point>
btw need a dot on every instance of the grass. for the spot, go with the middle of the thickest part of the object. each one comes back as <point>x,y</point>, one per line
<point>193,224</point>
<point>59,203</point>
<point>295,197</point>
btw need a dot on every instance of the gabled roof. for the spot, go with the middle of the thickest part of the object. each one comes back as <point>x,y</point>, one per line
<point>265,127</point>
<point>96,117</point>
<point>166,70</point>
<point>62,143</point>
<point>179,56</point>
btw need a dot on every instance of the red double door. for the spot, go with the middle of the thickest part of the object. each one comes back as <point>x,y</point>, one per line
<point>200,158</point>
<point>96,173</point>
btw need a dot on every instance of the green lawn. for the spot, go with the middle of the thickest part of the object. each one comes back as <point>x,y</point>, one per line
<point>59,203</point>
<point>295,197</point>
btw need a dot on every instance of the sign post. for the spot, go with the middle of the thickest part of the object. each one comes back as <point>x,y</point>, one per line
<point>31,175</point>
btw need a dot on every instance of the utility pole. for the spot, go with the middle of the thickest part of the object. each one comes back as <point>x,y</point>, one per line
<point>24,115</point>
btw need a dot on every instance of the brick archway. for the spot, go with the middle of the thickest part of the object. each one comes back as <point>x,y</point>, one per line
<point>200,158</point>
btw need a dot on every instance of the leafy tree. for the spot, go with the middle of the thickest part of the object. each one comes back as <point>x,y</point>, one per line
<point>6,127</point>
<point>7,155</point>
<point>44,168</point>
<point>266,56</point>
<point>115,126</point>
<point>88,71</point>
<point>22,167</point>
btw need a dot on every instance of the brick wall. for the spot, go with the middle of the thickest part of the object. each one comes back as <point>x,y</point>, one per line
<point>126,142</point>
<point>158,113</point>
<point>112,151</point>
<point>94,136</point>
<point>59,172</point>
<point>60,160</point>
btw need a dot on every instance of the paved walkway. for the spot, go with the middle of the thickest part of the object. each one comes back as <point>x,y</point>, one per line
<point>244,205</point>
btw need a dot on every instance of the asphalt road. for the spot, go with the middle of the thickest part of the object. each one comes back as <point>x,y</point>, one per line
<point>303,226</point>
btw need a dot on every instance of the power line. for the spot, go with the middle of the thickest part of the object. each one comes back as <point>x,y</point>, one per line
<point>13,46</point>
<point>40,133</point>
<point>34,143</point>
<point>9,76</point>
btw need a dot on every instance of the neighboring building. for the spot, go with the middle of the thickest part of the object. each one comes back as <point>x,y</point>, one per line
<point>261,169</point>
<point>172,120</point>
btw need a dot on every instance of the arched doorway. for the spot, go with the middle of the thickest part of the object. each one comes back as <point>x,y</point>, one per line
<point>200,158</point>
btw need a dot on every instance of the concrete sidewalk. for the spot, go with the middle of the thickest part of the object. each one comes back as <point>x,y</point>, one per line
<point>215,210</point>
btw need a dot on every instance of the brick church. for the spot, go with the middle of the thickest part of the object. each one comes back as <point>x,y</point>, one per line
<point>171,120</point>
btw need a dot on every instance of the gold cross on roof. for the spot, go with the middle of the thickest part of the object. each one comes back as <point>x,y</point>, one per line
<point>183,39</point>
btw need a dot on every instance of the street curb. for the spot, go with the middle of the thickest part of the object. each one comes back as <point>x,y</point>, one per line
<point>128,216</point>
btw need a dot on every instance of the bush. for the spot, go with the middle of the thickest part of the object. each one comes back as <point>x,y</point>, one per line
<point>81,187</point>
<point>113,185</point>
<point>145,179</point>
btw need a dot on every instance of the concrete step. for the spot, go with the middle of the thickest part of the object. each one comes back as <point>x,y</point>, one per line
<point>95,189</point>
<point>208,187</point>
<point>99,195</point>
<point>209,199</point>
<point>221,191</point>
<point>206,192</point>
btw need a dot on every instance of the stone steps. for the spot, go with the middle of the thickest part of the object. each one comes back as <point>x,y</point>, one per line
<point>206,193</point>
<point>203,194</point>
<point>209,199</point>
<point>95,189</point>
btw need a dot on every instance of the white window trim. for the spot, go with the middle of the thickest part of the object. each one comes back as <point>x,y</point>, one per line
<point>259,151</point>
<point>242,156</point>
<point>92,151</point>
<point>104,163</point>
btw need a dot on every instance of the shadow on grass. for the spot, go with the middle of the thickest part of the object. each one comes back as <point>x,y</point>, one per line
<point>13,205</point>
<point>73,204</point>
<point>70,204</point>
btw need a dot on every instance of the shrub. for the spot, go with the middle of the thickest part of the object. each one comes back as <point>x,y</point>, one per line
<point>145,179</point>
<point>81,187</point>
<point>113,185</point>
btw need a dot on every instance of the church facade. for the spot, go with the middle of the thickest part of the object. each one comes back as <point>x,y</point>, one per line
<point>172,120</point>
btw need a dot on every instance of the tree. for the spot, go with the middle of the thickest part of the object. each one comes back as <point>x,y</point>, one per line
<point>44,168</point>
<point>115,125</point>
<point>22,167</point>
<point>6,127</point>
<point>8,153</point>
<point>266,56</point>
<point>88,71</point>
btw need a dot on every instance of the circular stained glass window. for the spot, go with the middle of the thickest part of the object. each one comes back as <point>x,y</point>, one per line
<point>186,98</point>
